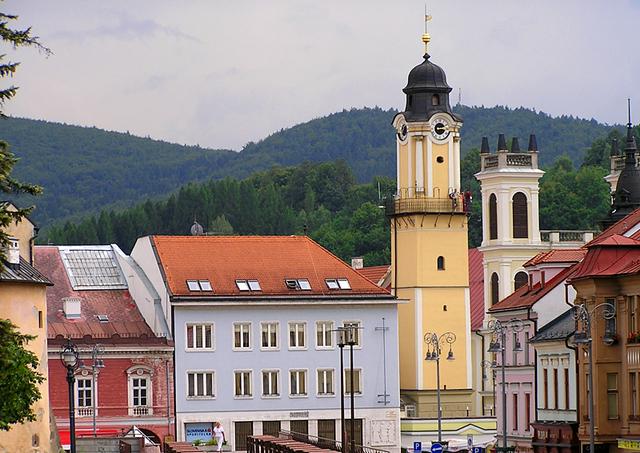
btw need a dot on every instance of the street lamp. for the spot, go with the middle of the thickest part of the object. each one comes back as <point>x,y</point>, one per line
<point>434,343</point>
<point>499,345</point>
<point>492,365</point>
<point>96,363</point>
<point>347,335</point>
<point>69,358</point>
<point>584,337</point>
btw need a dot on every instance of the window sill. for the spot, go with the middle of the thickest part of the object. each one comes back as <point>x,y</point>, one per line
<point>199,398</point>
<point>242,397</point>
<point>325,395</point>
<point>298,396</point>
<point>241,349</point>
<point>270,397</point>
<point>200,349</point>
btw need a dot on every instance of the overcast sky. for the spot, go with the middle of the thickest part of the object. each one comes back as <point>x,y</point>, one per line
<point>222,73</point>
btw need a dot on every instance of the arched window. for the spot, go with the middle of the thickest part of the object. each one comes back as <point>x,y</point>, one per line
<point>435,99</point>
<point>140,390</point>
<point>495,291</point>
<point>493,217</point>
<point>521,279</point>
<point>441,263</point>
<point>520,216</point>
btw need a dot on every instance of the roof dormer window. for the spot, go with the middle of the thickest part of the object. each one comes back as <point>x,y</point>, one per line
<point>343,283</point>
<point>248,285</point>
<point>332,283</point>
<point>199,285</point>
<point>338,283</point>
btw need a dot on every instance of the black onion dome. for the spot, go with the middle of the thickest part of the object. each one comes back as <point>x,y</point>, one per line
<point>427,92</point>
<point>627,196</point>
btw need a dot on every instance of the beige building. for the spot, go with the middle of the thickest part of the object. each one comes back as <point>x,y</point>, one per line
<point>23,301</point>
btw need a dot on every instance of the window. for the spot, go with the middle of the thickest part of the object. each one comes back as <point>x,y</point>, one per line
<point>199,285</point>
<point>520,216</point>
<point>327,429</point>
<point>241,335</point>
<point>85,396</point>
<point>242,381</point>
<point>527,411</point>
<point>324,334</point>
<point>612,396</point>
<point>248,285</point>
<point>435,99</point>
<point>555,389</point>
<point>40,319</point>
<point>297,335</point>
<point>610,327</point>
<point>299,284</point>
<point>545,386</point>
<point>633,314</point>
<point>200,384</point>
<point>269,335</point>
<point>271,428</point>
<point>521,279</point>
<point>325,382</point>
<point>633,390</point>
<point>357,383</point>
<point>270,387</point>
<point>440,263</point>
<point>298,383</point>
<point>343,283</point>
<point>493,217</point>
<point>514,343</point>
<point>515,412</point>
<point>357,327</point>
<point>566,389</point>
<point>495,290</point>
<point>140,390</point>
<point>199,336</point>
<point>332,283</point>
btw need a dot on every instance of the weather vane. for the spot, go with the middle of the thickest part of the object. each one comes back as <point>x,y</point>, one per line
<point>426,37</point>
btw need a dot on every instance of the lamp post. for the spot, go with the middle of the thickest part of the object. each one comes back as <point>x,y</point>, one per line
<point>492,366</point>
<point>69,358</point>
<point>96,363</point>
<point>434,343</point>
<point>499,345</point>
<point>585,337</point>
<point>341,331</point>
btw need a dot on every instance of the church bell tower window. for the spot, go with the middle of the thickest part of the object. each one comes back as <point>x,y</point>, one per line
<point>493,217</point>
<point>435,99</point>
<point>520,216</point>
<point>495,291</point>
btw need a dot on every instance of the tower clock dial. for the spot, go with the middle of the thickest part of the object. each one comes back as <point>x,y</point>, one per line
<point>439,128</point>
<point>403,132</point>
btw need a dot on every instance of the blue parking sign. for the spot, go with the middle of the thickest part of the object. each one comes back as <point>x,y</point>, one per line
<point>477,450</point>
<point>417,447</point>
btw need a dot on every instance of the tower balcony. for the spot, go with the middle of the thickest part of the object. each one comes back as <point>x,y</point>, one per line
<point>504,159</point>
<point>415,201</point>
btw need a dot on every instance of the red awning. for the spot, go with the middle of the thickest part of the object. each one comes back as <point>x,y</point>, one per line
<point>65,434</point>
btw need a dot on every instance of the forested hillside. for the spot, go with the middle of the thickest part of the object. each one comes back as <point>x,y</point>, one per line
<point>84,170</point>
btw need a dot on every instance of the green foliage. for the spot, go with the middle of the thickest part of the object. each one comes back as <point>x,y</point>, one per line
<point>8,184</point>
<point>18,377</point>
<point>86,169</point>
<point>321,199</point>
<point>599,153</point>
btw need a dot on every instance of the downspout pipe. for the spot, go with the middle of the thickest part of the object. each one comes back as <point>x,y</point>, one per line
<point>535,360</point>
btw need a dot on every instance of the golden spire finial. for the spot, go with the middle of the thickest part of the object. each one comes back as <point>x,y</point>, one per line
<point>426,37</point>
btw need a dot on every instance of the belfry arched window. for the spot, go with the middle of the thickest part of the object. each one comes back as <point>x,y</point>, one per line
<point>520,216</point>
<point>495,290</point>
<point>435,99</point>
<point>521,279</point>
<point>441,263</point>
<point>493,217</point>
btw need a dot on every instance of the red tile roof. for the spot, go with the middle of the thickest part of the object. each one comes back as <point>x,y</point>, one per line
<point>374,273</point>
<point>620,227</point>
<point>476,288</point>
<point>269,259</point>
<point>124,317</point>
<point>557,256</point>
<point>614,255</point>
<point>525,298</point>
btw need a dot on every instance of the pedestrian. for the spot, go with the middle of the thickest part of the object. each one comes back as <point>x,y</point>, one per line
<point>218,434</point>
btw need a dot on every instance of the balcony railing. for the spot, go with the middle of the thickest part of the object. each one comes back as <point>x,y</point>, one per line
<point>569,236</point>
<point>138,411</point>
<point>62,412</point>
<point>84,412</point>
<point>420,204</point>
<point>507,160</point>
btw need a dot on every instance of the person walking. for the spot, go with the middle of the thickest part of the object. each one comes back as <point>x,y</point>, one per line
<point>218,434</point>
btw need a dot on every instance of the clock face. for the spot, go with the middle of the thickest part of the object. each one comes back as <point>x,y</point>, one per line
<point>440,129</point>
<point>403,132</point>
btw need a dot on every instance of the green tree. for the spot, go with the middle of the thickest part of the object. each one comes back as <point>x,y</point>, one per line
<point>8,184</point>
<point>220,226</point>
<point>18,377</point>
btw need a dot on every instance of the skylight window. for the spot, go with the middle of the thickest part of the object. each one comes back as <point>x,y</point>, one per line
<point>332,283</point>
<point>205,285</point>
<point>242,285</point>
<point>298,283</point>
<point>254,285</point>
<point>249,285</point>
<point>343,283</point>
<point>103,318</point>
<point>199,285</point>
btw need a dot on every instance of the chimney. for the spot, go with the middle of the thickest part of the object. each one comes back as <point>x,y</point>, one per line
<point>541,279</point>
<point>530,281</point>
<point>533,144</point>
<point>502,143</point>
<point>71,307</point>
<point>515,145</point>
<point>13,253</point>
<point>357,262</point>
<point>484,148</point>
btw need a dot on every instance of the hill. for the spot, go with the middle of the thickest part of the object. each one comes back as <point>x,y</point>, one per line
<point>85,169</point>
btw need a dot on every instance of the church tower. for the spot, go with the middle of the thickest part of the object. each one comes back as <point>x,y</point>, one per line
<point>509,182</point>
<point>429,245</point>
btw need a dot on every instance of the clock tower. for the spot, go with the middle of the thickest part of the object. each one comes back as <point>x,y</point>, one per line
<point>429,246</point>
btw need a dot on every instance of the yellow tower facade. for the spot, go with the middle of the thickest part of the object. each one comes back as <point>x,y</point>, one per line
<point>429,246</point>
